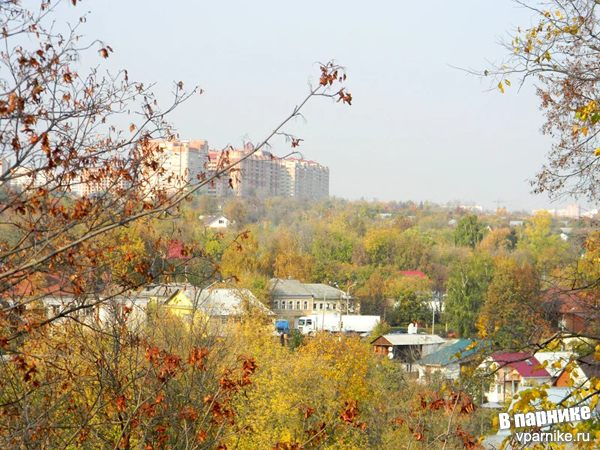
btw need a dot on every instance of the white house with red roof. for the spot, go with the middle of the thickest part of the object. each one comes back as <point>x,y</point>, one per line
<point>512,370</point>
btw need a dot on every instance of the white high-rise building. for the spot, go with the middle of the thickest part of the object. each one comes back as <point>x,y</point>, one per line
<point>183,162</point>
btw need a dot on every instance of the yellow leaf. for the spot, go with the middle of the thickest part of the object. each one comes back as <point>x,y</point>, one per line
<point>575,128</point>
<point>507,82</point>
<point>501,87</point>
<point>584,130</point>
<point>597,152</point>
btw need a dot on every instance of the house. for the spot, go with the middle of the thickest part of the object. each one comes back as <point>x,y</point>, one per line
<point>579,372</point>
<point>515,223</point>
<point>215,222</point>
<point>224,304</point>
<point>216,305</point>
<point>555,363</point>
<point>447,360</point>
<point>571,310</point>
<point>407,348</point>
<point>291,299</point>
<point>512,370</point>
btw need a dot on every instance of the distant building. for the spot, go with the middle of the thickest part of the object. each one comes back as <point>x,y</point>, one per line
<point>183,162</point>
<point>572,212</point>
<point>472,208</point>
<point>515,223</point>
<point>4,165</point>
<point>215,221</point>
<point>291,299</point>
<point>263,174</point>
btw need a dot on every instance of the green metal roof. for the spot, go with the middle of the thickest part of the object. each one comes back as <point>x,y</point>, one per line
<point>445,355</point>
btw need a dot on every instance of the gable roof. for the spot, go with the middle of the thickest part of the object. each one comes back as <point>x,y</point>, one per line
<point>446,354</point>
<point>212,219</point>
<point>523,363</point>
<point>553,357</point>
<point>228,302</point>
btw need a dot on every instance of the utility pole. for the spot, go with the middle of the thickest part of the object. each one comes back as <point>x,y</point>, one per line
<point>498,202</point>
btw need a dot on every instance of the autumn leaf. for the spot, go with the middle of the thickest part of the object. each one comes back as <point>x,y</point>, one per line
<point>501,87</point>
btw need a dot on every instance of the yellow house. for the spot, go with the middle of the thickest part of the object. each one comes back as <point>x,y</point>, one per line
<point>214,306</point>
<point>182,304</point>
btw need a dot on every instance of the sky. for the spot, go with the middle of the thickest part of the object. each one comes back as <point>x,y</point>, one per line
<point>418,128</point>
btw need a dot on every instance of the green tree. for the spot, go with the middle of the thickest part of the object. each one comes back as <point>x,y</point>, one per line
<point>466,288</point>
<point>410,296</point>
<point>469,231</point>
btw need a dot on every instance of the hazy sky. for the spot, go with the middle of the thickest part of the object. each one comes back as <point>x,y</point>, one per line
<point>418,129</point>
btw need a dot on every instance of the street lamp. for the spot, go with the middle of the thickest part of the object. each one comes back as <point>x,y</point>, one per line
<point>348,298</point>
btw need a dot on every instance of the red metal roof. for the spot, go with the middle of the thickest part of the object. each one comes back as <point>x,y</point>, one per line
<point>414,273</point>
<point>523,363</point>
<point>175,250</point>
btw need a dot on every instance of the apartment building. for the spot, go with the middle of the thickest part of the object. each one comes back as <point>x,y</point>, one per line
<point>264,175</point>
<point>183,162</point>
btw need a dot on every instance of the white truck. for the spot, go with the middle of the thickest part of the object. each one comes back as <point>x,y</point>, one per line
<point>336,323</point>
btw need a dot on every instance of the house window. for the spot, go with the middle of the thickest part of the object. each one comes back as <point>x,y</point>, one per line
<point>276,304</point>
<point>314,305</point>
<point>283,305</point>
<point>327,306</point>
<point>221,221</point>
<point>305,304</point>
<point>298,304</point>
<point>320,305</point>
<point>291,304</point>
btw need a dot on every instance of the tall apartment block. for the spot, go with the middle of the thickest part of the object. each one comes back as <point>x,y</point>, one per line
<point>264,175</point>
<point>259,174</point>
<point>183,162</point>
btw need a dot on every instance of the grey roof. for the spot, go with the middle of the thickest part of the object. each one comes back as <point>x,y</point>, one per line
<point>166,290</point>
<point>228,302</point>
<point>294,288</point>
<point>413,339</point>
<point>208,221</point>
<point>563,358</point>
